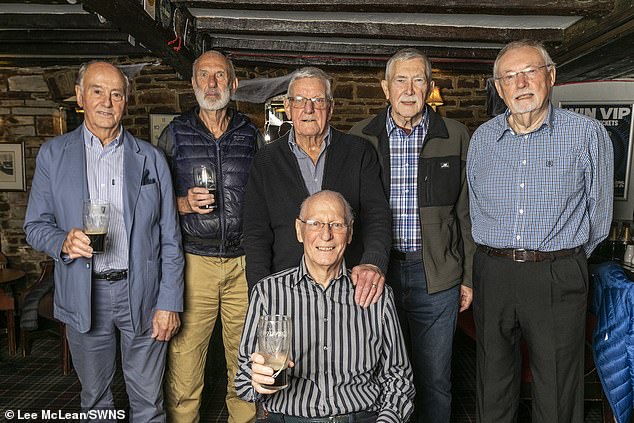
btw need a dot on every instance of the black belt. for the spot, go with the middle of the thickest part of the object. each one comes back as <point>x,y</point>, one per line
<point>352,417</point>
<point>406,255</point>
<point>520,255</point>
<point>111,275</point>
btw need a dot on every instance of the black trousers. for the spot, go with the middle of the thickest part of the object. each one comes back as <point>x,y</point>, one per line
<point>544,302</point>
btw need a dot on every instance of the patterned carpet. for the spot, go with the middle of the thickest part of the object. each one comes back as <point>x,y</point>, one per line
<point>35,383</point>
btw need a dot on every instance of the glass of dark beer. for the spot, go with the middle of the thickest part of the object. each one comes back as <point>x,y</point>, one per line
<point>274,344</point>
<point>205,177</point>
<point>96,217</point>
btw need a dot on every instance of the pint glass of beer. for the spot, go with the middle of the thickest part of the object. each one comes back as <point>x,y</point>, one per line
<point>274,344</point>
<point>205,177</point>
<point>96,217</point>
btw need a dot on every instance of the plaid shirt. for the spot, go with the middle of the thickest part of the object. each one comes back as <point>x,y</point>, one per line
<point>405,151</point>
<point>547,190</point>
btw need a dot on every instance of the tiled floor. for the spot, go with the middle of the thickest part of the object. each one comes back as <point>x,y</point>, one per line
<point>36,382</point>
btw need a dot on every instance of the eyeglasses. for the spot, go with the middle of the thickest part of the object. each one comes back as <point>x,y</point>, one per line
<point>529,73</point>
<point>299,102</point>
<point>317,226</point>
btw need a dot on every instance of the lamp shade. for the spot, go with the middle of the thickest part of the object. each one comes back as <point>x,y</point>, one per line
<point>434,98</point>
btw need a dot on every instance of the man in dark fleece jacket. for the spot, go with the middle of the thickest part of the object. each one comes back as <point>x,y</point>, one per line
<point>311,157</point>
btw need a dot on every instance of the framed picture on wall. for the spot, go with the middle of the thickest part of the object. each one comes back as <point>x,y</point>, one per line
<point>158,121</point>
<point>12,174</point>
<point>616,117</point>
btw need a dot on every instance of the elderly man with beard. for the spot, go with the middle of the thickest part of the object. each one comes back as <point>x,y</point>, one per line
<point>540,188</point>
<point>221,138</point>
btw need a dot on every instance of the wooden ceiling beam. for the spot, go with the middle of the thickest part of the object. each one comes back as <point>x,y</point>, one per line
<point>51,21</point>
<point>130,17</point>
<point>45,36</point>
<point>86,50</point>
<point>308,46</point>
<point>497,7</point>
<point>385,29</point>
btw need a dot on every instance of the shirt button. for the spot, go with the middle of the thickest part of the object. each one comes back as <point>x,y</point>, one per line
<point>522,185</point>
<point>523,162</point>
<point>325,348</point>
<point>325,319</point>
<point>406,191</point>
<point>521,211</point>
<point>526,137</point>
<point>517,237</point>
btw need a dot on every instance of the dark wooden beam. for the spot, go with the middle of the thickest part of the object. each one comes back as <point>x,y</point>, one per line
<point>71,48</point>
<point>130,17</point>
<point>43,36</point>
<point>612,60</point>
<point>51,21</point>
<point>319,45</point>
<point>501,7</point>
<point>394,28</point>
<point>348,61</point>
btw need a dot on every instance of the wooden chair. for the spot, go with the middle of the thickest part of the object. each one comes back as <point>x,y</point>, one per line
<point>45,311</point>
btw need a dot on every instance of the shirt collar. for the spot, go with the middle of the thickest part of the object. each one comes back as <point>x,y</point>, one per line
<point>293,145</point>
<point>391,126</point>
<point>303,276</point>
<point>91,140</point>
<point>506,126</point>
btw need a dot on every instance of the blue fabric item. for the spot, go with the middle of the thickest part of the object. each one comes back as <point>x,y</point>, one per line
<point>613,337</point>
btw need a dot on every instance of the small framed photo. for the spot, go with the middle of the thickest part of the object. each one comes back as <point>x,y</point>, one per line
<point>158,121</point>
<point>12,172</point>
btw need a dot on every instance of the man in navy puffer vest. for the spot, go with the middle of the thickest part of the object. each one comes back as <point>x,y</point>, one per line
<point>215,136</point>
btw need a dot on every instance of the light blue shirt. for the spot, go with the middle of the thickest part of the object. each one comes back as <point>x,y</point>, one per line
<point>104,169</point>
<point>548,190</point>
<point>312,173</point>
<point>405,151</point>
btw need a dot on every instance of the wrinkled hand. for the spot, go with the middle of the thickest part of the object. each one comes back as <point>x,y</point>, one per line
<point>368,281</point>
<point>198,197</point>
<point>262,374</point>
<point>77,244</point>
<point>165,325</point>
<point>466,296</point>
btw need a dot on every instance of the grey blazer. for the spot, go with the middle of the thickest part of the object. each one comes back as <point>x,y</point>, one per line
<point>155,260</point>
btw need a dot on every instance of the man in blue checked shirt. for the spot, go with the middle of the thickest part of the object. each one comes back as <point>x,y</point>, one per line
<point>348,362</point>
<point>423,158</point>
<point>540,188</point>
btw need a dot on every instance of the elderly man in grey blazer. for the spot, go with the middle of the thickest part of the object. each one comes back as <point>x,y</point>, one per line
<point>135,287</point>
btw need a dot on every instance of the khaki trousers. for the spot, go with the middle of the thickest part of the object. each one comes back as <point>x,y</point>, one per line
<point>212,285</point>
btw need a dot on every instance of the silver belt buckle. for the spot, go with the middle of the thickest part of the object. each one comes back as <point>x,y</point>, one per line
<point>520,250</point>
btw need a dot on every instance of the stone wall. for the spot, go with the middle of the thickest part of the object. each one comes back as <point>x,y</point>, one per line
<point>30,113</point>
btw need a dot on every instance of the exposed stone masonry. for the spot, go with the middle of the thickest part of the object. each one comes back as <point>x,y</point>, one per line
<point>30,112</point>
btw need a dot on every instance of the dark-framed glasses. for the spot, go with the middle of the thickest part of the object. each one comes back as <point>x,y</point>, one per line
<point>317,226</point>
<point>299,102</point>
<point>529,73</point>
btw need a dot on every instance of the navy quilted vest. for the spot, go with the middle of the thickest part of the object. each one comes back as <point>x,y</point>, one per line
<point>219,233</point>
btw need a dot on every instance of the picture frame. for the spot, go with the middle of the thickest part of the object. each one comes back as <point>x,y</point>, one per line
<point>12,169</point>
<point>158,122</point>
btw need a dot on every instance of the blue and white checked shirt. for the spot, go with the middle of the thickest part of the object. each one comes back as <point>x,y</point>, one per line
<point>405,151</point>
<point>104,169</point>
<point>548,190</point>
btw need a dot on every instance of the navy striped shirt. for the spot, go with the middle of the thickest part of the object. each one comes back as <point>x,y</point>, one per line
<point>347,358</point>
<point>548,190</point>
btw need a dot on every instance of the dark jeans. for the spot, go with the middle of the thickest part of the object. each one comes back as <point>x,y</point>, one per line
<point>428,323</point>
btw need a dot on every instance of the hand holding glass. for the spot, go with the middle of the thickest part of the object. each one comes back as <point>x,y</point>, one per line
<point>205,177</point>
<point>274,344</point>
<point>96,216</point>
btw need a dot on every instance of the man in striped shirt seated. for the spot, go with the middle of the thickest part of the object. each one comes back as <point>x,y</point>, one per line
<point>347,363</point>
